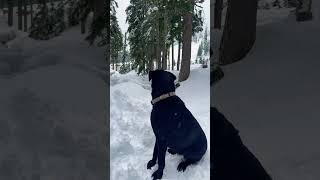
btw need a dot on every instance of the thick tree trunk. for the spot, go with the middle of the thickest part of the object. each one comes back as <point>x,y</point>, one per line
<point>179,56</point>
<point>20,15</point>
<point>25,15</point>
<point>172,55</point>
<point>239,31</point>
<point>10,13</point>
<point>186,46</point>
<point>218,14</point>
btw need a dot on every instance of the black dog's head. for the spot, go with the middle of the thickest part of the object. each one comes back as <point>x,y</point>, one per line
<point>162,82</point>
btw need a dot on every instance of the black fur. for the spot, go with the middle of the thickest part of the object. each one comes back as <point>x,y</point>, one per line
<point>174,126</point>
<point>231,158</point>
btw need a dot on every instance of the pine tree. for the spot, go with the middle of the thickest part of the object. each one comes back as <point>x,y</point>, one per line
<point>58,19</point>
<point>154,26</point>
<point>48,22</point>
<point>41,25</point>
<point>116,38</point>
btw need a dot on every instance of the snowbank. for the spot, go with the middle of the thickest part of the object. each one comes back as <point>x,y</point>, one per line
<point>272,97</point>
<point>52,109</point>
<point>132,139</point>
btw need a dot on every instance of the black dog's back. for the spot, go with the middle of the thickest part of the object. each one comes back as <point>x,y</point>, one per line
<point>231,158</point>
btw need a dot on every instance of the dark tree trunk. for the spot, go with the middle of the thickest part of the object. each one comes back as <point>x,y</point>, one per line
<point>31,12</point>
<point>20,15</point>
<point>164,50</point>
<point>2,5</point>
<point>98,8</point>
<point>218,14</point>
<point>172,55</point>
<point>83,26</point>
<point>10,13</point>
<point>158,49</point>
<point>186,46</point>
<point>168,57</point>
<point>179,56</point>
<point>239,32</point>
<point>124,50</point>
<point>25,15</point>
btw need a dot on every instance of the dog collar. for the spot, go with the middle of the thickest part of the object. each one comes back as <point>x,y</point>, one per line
<point>162,97</point>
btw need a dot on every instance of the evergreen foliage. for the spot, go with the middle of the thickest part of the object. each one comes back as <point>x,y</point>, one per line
<point>48,22</point>
<point>154,25</point>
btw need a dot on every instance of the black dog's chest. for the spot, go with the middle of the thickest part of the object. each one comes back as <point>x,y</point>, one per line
<point>168,123</point>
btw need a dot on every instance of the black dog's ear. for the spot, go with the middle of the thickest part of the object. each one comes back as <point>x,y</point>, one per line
<point>150,75</point>
<point>173,76</point>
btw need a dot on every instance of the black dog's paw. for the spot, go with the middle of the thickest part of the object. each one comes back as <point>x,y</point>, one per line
<point>150,164</point>
<point>171,151</point>
<point>183,166</point>
<point>157,174</point>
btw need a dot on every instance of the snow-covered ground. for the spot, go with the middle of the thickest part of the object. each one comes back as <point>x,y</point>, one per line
<point>273,96</point>
<point>132,139</point>
<point>53,107</point>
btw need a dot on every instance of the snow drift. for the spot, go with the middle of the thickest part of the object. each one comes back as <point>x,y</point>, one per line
<point>132,139</point>
<point>272,96</point>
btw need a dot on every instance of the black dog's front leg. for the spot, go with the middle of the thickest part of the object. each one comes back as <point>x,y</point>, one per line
<point>153,161</point>
<point>162,149</point>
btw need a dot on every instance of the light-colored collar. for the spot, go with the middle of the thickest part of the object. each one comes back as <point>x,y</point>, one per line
<point>162,97</point>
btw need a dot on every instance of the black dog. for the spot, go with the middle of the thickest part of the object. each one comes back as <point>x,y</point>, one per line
<point>173,125</point>
<point>231,158</point>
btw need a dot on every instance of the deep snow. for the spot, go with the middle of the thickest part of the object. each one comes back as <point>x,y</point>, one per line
<point>132,139</point>
<point>272,95</point>
<point>53,108</point>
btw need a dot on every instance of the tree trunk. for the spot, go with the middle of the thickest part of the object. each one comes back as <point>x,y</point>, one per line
<point>158,49</point>
<point>239,32</point>
<point>164,51</point>
<point>31,12</point>
<point>124,49</point>
<point>186,46</point>
<point>2,6</point>
<point>179,56</point>
<point>172,55</point>
<point>98,8</point>
<point>25,16</point>
<point>10,13</point>
<point>218,14</point>
<point>83,26</point>
<point>20,15</point>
